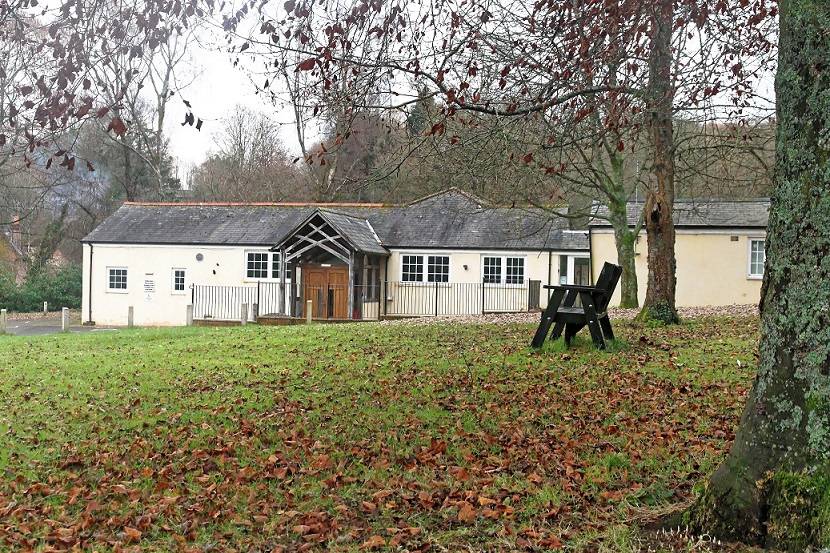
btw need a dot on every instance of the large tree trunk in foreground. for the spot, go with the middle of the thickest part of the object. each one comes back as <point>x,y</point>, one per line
<point>659,303</point>
<point>774,487</point>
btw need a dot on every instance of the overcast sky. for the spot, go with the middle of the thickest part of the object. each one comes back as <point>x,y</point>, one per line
<point>216,89</point>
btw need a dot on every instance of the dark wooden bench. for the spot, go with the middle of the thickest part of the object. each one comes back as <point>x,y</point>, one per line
<point>562,313</point>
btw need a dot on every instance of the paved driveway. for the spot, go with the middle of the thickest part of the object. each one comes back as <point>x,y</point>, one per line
<point>39,327</point>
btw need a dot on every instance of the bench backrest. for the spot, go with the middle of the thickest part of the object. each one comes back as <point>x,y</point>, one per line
<point>607,282</point>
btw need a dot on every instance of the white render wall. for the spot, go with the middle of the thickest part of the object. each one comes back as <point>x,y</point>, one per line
<point>221,265</point>
<point>225,266</point>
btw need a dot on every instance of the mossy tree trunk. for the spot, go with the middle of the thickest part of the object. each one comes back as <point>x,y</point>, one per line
<point>625,237</point>
<point>774,487</point>
<point>660,302</point>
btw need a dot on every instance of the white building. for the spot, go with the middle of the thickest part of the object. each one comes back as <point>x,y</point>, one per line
<point>447,253</point>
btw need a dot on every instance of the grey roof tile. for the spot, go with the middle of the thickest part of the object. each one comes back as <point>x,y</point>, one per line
<point>701,213</point>
<point>451,220</point>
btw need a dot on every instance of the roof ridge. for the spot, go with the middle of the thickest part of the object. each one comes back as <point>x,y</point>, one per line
<point>761,199</point>
<point>255,204</point>
<point>464,193</point>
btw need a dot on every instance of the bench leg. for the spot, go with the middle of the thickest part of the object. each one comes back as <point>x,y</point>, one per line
<point>592,320</point>
<point>547,319</point>
<point>570,299</point>
<point>570,331</point>
<point>606,328</point>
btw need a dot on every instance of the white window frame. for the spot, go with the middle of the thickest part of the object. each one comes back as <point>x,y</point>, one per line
<point>423,268</point>
<point>503,274</point>
<point>269,266</point>
<point>424,279</point>
<point>426,268</point>
<point>173,281</point>
<point>749,274</point>
<point>571,267</point>
<point>124,290</point>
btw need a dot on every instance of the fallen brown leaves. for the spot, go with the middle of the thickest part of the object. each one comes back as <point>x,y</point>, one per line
<point>529,450</point>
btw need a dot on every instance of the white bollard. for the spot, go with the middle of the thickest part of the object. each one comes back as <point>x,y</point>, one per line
<point>45,307</point>
<point>130,317</point>
<point>308,307</point>
<point>65,319</point>
<point>189,318</point>
<point>243,316</point>
<point>3,321</point>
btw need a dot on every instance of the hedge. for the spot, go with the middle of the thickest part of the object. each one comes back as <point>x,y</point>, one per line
<point>60,288</point>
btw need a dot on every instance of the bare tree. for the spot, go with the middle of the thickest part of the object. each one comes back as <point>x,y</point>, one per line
<point>251,163</point>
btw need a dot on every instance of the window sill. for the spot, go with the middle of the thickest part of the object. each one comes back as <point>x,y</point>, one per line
<point>755,277</point>
<point>117,291</point>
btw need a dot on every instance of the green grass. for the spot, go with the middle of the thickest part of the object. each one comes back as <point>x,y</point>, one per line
<point>271,438</point>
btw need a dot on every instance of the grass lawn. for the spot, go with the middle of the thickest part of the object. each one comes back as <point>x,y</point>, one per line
<point>356,437</point>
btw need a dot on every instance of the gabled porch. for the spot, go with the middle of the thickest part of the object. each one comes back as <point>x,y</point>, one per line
<point>334,263</point>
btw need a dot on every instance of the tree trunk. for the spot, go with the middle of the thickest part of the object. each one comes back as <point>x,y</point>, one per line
<point>625,239</point>
<point>774,487</point>
<point>659,303</point>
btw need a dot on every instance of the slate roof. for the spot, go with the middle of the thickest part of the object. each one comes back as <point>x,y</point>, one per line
<point>449,220</point>
<point>701,213</point>
<point>357,231</point>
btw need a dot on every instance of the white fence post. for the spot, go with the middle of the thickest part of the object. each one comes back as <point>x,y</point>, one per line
<point>3,321</point>
<point>308,307</point>
<point>45,307</point>
<point>189,315</point>
<point>243,317</point>
<point>65,319</point>
<point>130,317</point>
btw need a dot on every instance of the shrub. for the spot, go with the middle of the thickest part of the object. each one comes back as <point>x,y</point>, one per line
<point>60,288</point>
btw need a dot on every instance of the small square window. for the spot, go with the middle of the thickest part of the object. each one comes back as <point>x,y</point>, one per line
<point>438,268</point>
<point>117,279</point>
<point>412,268</point>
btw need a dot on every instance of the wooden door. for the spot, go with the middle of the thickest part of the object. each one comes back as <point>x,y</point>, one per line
<point>327,288</point>
<point>339,293</point>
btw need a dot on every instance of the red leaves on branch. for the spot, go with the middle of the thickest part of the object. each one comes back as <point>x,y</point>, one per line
<point>307,65</point>
<point>117,126</point>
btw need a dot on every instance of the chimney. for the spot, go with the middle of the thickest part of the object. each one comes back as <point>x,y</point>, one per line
<point>16,236</point>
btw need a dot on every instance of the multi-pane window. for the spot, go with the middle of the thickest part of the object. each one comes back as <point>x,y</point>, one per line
<point>503,270</point>
<point>257,265</point>
<point>275,267</point>
<point>117,278</point>
<point>757,257</point>
<point>492,270</point>
<point>438,268</point>
<point>178,280</point>
<point>263,265</point>
<point>515,270</point>
<point>412,268</point>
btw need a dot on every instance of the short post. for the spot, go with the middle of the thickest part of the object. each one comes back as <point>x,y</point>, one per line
<point>243,317</point>
<point>65,319</point>
<point>254,311</point>
<point>130,317</point>
<point>3,321</point>
<point>308,308</point>
<point>45,307</point>
<point>189,317</point>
